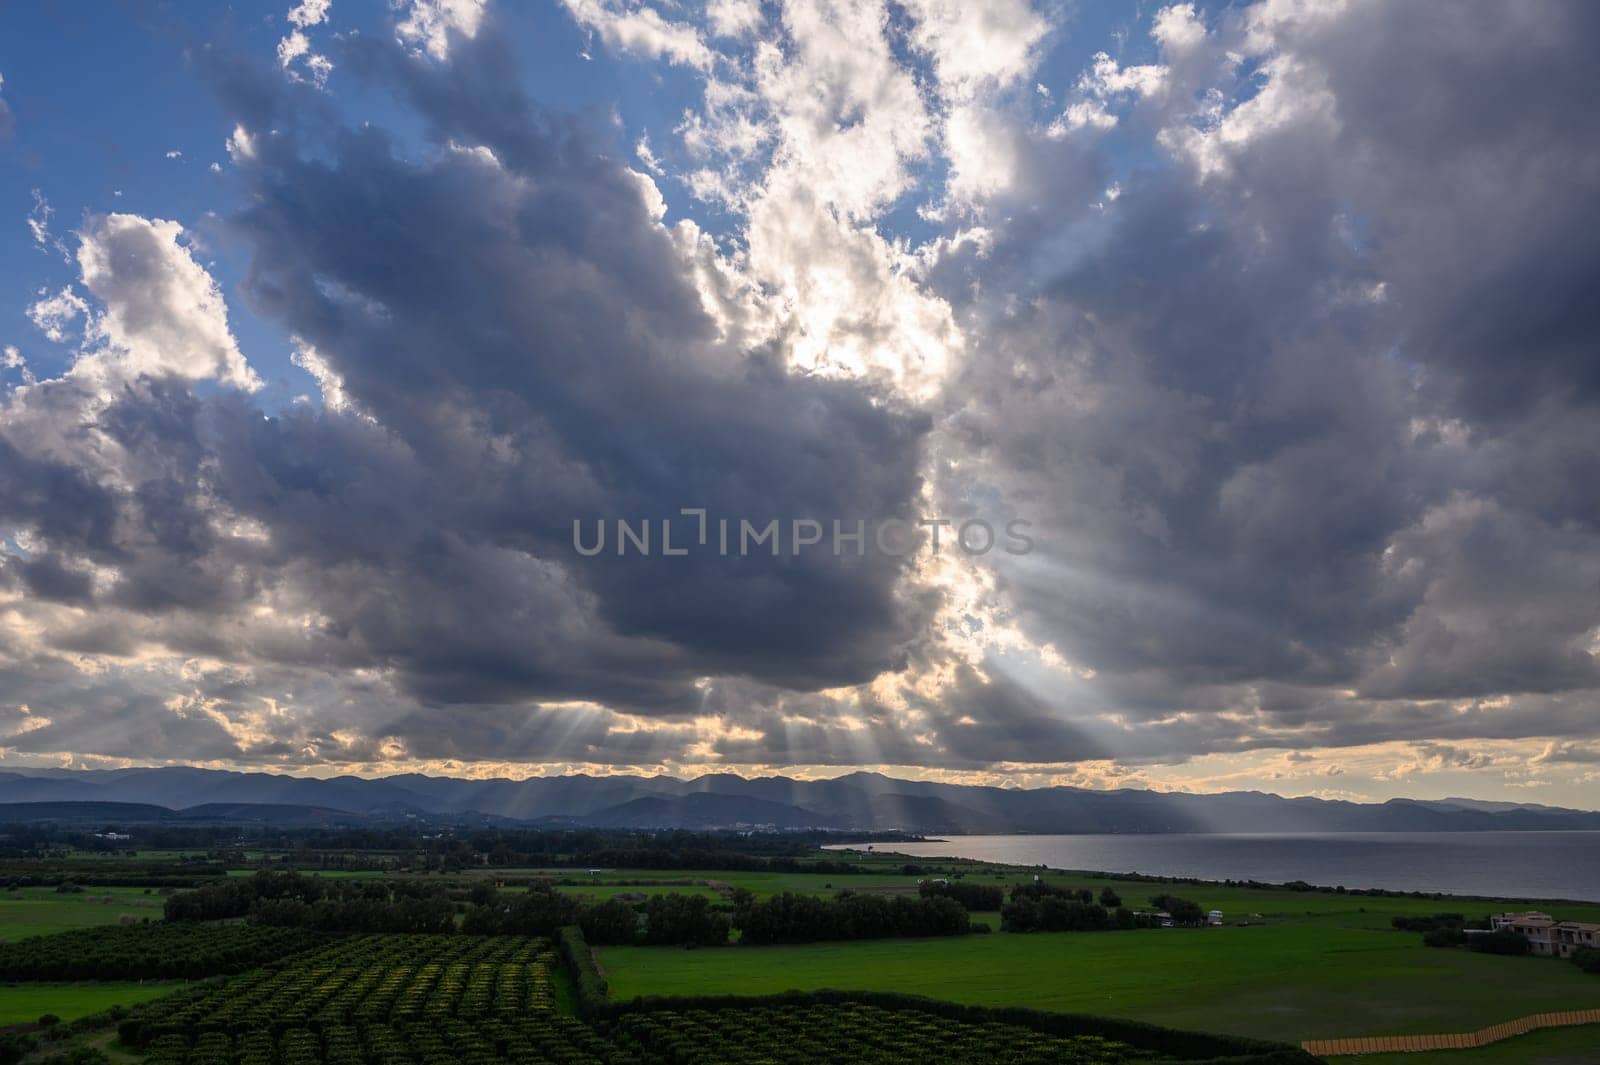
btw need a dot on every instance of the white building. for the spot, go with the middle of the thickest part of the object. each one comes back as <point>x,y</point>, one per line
<point>1547,936</point>
<point>1573,936</point>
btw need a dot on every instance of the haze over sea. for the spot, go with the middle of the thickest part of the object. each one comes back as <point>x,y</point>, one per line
<point>1532,865</point>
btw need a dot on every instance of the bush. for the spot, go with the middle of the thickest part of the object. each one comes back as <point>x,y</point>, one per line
<point>75,1056</point>
<point>1587,959</point>
<point>1184,911</point>
<point>1444,937</point>
<point>14,1046</point>
<point>1505,941</point>
<point>974,898</point>
<point>1429,923</point>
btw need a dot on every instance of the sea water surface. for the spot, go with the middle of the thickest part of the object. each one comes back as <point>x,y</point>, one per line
<point>1517,865</point>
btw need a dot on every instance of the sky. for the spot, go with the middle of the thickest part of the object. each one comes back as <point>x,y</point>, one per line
<point>1212,391</point>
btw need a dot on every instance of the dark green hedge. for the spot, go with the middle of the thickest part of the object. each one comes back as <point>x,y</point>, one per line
<point>1174,1044</point>
<point>575,954</point>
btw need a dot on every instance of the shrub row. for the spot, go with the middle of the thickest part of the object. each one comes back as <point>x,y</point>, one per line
<point>791,918</point>
<point>661,920</point>
<point>579,960</point>
<point>292,900</point>
<point>151,951</point>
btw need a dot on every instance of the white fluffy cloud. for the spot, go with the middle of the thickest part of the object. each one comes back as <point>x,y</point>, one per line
<point>980,46</point>
<point>163,314</point>
<point>294,49</point>
<point>53,315</point>
<point>642,31</point>
<point>426,25</point>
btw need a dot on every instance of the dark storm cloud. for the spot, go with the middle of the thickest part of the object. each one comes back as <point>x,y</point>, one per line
<point>1277,472</point>
<point>543,358</point>
<point>1306,418</point>
<point>520,346</point>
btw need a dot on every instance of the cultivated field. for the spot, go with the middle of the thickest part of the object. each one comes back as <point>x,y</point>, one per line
<point>1309,965</point>
<point>1286,965</point>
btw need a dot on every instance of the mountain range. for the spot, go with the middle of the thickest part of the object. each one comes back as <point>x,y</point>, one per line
<point>855,802</point>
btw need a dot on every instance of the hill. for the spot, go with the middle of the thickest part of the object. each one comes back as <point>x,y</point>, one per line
<point>857,801</point>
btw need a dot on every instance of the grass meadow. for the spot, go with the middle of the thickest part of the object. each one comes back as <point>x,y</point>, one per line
<point>1309,965</point>
<point>26,1003</point>
<point>38,911</point>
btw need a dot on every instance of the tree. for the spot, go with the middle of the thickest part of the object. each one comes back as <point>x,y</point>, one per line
<point>1183,912</point>
<point>612,923</point>
<point>683,920</point>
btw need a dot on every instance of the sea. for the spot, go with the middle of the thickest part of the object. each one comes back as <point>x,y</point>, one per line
<point>1514,865</point>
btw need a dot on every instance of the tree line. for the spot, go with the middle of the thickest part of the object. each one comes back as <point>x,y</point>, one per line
<point>1044,907</point>
<point>791,918</point>
<point>975,898</point>
<point>149,951</point>
<point>661,920</point>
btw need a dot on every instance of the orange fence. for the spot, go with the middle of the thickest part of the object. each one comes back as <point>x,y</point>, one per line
<point>1389,1044</point>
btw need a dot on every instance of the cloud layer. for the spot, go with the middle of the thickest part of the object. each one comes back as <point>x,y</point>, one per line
<point>1274,322</point>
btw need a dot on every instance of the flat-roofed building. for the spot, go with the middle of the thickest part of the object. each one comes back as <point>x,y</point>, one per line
<point>1531,925</point>
<point>1547,936</point>
<point>1573,936</point>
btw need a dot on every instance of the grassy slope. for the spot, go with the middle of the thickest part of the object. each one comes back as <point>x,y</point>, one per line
<point>25,1003</point>
<point>36,911</point>
<point>1311,965</point>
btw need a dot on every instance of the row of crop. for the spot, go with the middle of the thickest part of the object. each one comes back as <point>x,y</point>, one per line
<point>369,979</point>
<point>1153,1041</point>
<point>543,1038</point>
<point>802,1034</point>
<point>152,951</point>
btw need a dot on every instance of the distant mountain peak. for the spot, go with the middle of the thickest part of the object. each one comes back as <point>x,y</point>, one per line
<point>862,800</point>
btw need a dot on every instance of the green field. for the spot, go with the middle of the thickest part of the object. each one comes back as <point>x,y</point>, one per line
<point>607,891</point>
<point>26,1003</point>
<point>1553,1046</point>
<point>36,911</point>
<point>1237,902</point>
<point>1310,965</point>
